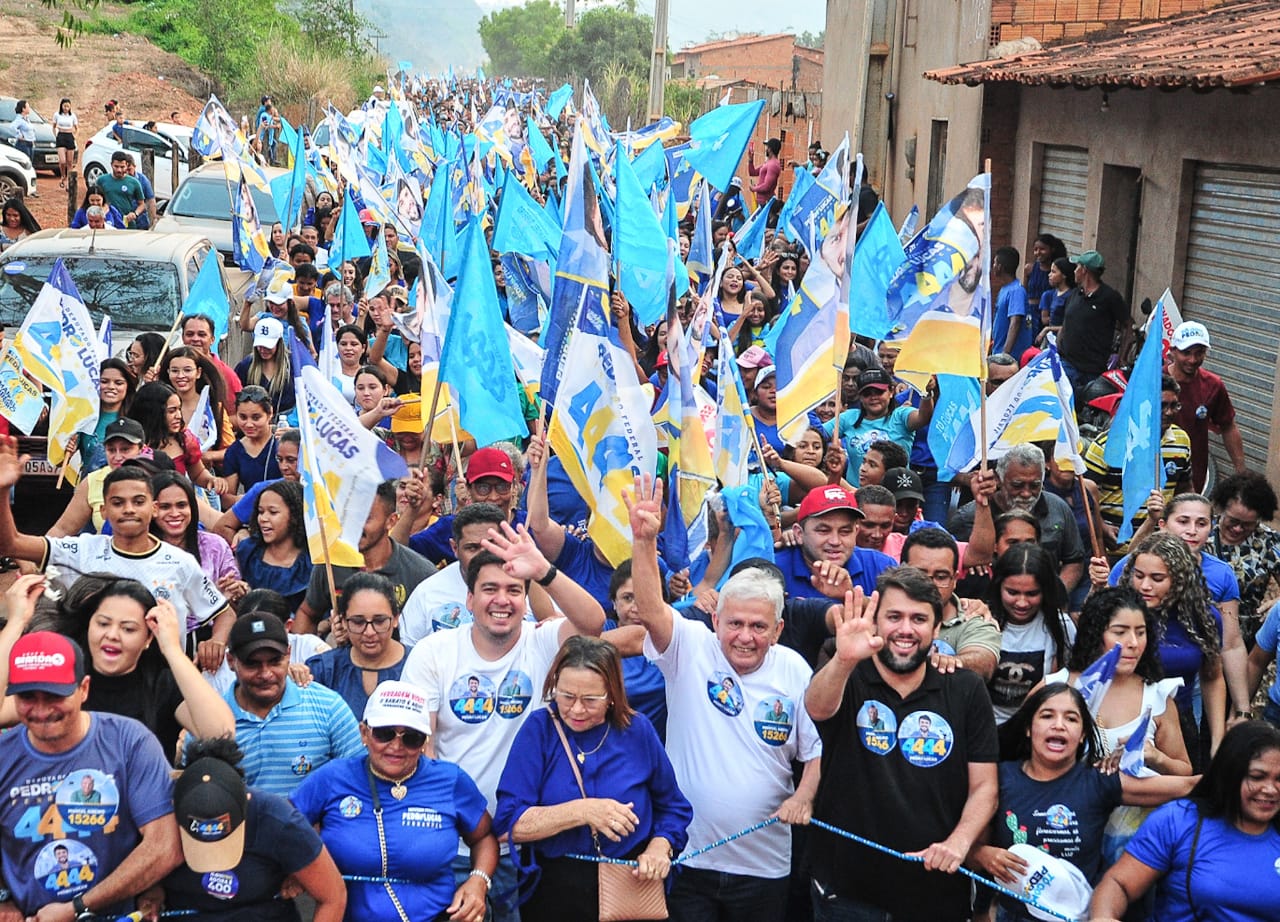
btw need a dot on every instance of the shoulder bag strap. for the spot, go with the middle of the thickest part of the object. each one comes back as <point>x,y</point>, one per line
<point>382,843</point>
<point>577,775</point>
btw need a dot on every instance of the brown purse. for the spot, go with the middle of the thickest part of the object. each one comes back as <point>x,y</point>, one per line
<point>623,897</point>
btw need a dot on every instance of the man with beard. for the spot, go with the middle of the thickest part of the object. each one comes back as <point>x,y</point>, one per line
<point>1020,473</point>
<point>925,783</point>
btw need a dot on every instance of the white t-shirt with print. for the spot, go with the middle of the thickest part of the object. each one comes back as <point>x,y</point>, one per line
<point>439,603</point>
<point>732,740</point>
<point>1027,652</point>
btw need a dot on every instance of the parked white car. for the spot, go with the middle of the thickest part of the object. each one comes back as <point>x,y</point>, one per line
<point>96,159</point>
<point>16,173</point>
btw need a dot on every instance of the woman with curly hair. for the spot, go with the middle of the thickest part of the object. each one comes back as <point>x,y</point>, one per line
<point>275,555</point>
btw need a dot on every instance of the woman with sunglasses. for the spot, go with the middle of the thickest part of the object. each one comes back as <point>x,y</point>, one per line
<point>369,613</point>
<point>371,813</point>
<point>587,775</point>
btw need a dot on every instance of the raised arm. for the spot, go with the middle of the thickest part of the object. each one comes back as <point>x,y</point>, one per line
<point>856,640</point>
<point>524,561</point>
<point>548,533</point>
<point>645,510</point>
<point>203,712</point>
<point>14,543</point>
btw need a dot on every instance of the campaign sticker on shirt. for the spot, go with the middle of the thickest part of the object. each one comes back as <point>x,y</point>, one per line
<point>301,765</point>
<point>449,616</point>
<point>925,738</point>
<point>87,800</point>
<point>1059,816</point>
<point>471,698</point>
<point>724,694</point>
<point>221,885</point>
<point>877,727</point>
<point>67,867</point>
<point>514,694</point>
<point>350,806</point>
<point>774,719</point>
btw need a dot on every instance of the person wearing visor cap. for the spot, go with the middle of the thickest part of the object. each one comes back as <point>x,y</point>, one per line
<point>124,835</point>
<point>240,845</point>
<point>879,417</point>
<point>369,810</point>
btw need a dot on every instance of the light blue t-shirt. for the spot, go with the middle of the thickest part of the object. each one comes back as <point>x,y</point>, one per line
<point>1010,303</point>
<point>857,435</point>
<point>1268,638</point>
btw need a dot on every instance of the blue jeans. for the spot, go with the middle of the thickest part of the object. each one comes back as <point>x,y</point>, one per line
<point>708,896</point>
<point>502,895</point>
<point>829,906</point>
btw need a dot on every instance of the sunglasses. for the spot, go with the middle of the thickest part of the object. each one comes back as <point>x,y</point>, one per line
<point>413,739</point>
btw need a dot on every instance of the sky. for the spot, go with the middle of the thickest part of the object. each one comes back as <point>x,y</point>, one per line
<point>691,21</point>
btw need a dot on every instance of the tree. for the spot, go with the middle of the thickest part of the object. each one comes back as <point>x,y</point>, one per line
<point>811,39</point>
<point>519,40</point>
<point>606,36</point>
<point>683,100</point>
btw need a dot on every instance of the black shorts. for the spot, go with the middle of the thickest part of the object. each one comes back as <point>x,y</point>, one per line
<point>65,139</point>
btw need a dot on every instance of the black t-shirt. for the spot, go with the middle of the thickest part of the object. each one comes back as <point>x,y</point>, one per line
<point>896,771</point>
<point>1089,327</point>
<point>149,696</point>
<point>278,842</point>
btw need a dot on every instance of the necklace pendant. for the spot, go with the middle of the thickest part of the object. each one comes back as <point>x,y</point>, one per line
<point>398,790</point>
<point>582,757</point>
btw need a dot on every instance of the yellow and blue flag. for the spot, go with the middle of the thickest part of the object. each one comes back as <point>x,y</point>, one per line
<point>718,138</point>
<point>748,240</point>
<point>803,180</point>
<point>248,239</point>
<point>288,190</point>
<point>813,212</point>
<point>689,451</point>
<point>733,440</point>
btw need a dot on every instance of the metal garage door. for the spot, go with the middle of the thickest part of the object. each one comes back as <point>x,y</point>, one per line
<point>1231,269</point>
<point>1064,177</point>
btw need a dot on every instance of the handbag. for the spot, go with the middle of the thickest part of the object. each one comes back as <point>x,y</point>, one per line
<point>623,896</point>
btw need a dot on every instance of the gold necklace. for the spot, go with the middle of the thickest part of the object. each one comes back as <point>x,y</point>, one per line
<point>582,756</point>
<point>398,789</point>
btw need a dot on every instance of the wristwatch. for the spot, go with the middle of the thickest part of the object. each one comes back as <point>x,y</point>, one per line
<point>80,909</point>
<point>549,577</point>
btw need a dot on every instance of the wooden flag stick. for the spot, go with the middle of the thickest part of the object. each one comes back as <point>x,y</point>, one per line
<point>164,350</point>
<point>1094,540</point>
<point>62,473</point>
<point>328,565</point>
<point>430,419</point>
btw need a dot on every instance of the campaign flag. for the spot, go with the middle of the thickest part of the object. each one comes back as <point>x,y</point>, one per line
<point>558,99</point>
<point>754,538</point>
<point>327,354</point>
<point>1171,318</point>
<point>349,240</point>
<point>702,256</point>
<point>342,464</point>
<point>202,424</point>
<point>476,361</point>
<point>207,297</point>
<point>690,451</point>
<point>815,212</point>
<point>908,229</point>
<point>640,247</point>
<point>288,190</point>
<point>733,441</point>
<point>650,166</point>
<point>803,180</point>
<point>525,302</point>
<point>379,276</point>
<point>1035,405</point>
<point>718,138</point>
<point>1133,760</point>
<point>675,534</point>
<point>601,429</point>
<point>104,338</point>
<point>878,256</point>
<point>527,357</point>
<point>939,300</point>
<point>1133,441</point>
<point>21,400</point>
<point>958,399</point>
<point>595,126</point>
<point>216,134</point>
<point>582,272</point>
<point>438,232</point>
<point>541,151</point>
<point>522,226</point>
<point>681,178</point>
<point>1096,679</point>
<point>58,345</point>
<point>749,238</point>
<point>249,241</point>
<point>664,129</point>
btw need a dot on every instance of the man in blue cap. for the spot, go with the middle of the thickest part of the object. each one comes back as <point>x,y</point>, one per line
<point>1095,319</point>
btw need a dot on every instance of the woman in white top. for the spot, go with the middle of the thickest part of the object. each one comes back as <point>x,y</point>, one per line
<point>65,125</point>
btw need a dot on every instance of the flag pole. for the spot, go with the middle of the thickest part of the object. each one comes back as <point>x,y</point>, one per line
<point>328,567</point>
<point>62,473</point>
<point>177,321</point>
<point>982,354</point>
<point>1098,549</point>
<point>431,417</point>
<point>768,474</point>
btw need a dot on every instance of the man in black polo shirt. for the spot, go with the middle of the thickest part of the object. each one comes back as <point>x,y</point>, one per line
<point>918,777</point>
<point>1095,318</point>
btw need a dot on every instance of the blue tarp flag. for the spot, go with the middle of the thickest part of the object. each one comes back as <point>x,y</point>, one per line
<point>754,538</point>
<point>650,166</point>
<point>877,257</point>
<point>206,296</point>
<point>349,241</point>
<point>702,258</point>
<point>958,398</point>
<point>749,240</point>
<point>717,140</point>
<point>813,215</point>
<point>476,361</point>
<point>288,191</point>
<point>522,225</point>
<point>1133,441</point>
<point>557,100</point>
<point>804,179</point>
<point>640,247</point>
<point>539,149</point>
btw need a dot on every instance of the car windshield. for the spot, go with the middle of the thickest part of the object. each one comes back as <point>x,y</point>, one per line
<point>207,197</point>
<point>9,111</point>
<point>138,294</point>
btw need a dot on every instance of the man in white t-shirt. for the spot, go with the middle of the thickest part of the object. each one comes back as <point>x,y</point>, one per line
<point>130,550</point>
<point>736,722</point>
<point>483,679</point>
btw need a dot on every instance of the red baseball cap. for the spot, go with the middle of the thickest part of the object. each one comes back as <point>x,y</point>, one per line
<point>831,498</point>
<point>45,661</point>
<point>490,462</point>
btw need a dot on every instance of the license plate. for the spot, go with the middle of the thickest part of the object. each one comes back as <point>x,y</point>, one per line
<point>39,466</point>
<point>50,158</point>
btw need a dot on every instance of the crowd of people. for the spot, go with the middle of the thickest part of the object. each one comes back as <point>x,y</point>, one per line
<point>206,719</point>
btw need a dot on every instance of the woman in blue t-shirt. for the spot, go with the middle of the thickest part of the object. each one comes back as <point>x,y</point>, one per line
<point>1053,797</point>
<point>1212,856</point>
<point>368,610</point>
<point>276,555</point>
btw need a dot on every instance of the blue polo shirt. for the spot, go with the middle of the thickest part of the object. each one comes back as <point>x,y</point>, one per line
<point>864,566</point>
<point>307,728</point>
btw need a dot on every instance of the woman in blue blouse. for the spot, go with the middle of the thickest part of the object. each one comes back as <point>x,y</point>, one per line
<point>633,808</point>
<point>276,555</point>
<point>367,608</point>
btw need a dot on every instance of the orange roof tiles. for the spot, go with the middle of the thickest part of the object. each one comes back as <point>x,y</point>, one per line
<point>1230,46</point>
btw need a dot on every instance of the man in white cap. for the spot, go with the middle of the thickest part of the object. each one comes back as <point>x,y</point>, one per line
<point>1205,402</point>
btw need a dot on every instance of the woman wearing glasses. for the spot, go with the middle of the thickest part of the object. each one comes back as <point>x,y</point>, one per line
<point>1242,539</point>
<point>397,815</point>
<point>627,804</point>
<point>368,611</point>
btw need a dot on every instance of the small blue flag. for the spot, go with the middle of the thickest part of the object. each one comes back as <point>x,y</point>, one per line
<point>754,537</point>
<point>641,250</point>
<point>288,190</point>
<point>1096,679</point>
<point>539,149</point>
<point>718,138</point>
<point>207,296</point>
<point>349,241</point>
<point>523,226</point>
<point>876,258</point>
<point>1133,760</point>
<point>556,102</point>
<point>749,240</point>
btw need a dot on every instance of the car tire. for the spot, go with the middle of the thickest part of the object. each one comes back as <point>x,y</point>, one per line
<point>9,187</point>
<point>92,172</point>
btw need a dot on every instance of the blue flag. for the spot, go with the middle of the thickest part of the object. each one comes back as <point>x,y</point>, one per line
<point>539,149</point>
<point>749,240</point>
<point>754,537</point>
<point>958,398</point>
<point>675,536</point>
<point>437,221</point>
<point>207,296</point>
<point>289,189</point>
<point>876,258</point>
<point>650,166</point>
<point>702,257</point>
<point>349,241</point>
<point>804,179</point>
<point>1133,441</point>
<point>557,100</point>
<point>476,361</point>
<point>523,226</point>
<point>525,304</point>
<point>813,212</point>
<point>718,138</point>
<point>640,247</point>
<point>1096,679</point>
<point>1133,760</point>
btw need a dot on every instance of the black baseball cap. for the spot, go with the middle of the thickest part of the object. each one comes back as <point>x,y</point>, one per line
<point>209,802</point>
<point>256,631</point>
<point>125,428</point>
<point>875,377</point>
<point>904,483</point>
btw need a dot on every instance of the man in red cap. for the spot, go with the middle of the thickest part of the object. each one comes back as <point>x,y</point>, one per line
<point>825,560</point>
<point>114,848</point>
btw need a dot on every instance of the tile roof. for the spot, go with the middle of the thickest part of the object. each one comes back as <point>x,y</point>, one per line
<point>1230,46</point>
<point>748,39</point>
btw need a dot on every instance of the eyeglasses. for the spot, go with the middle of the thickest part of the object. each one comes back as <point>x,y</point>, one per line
<point>380,624</point>
<point>567,700</point>
<point>1229,522</point>
<point>502,488</point>
<point>412,739</point>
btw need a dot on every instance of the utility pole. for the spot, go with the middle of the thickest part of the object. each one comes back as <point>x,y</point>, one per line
<point>568,13</point>
<point>658,66</point>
